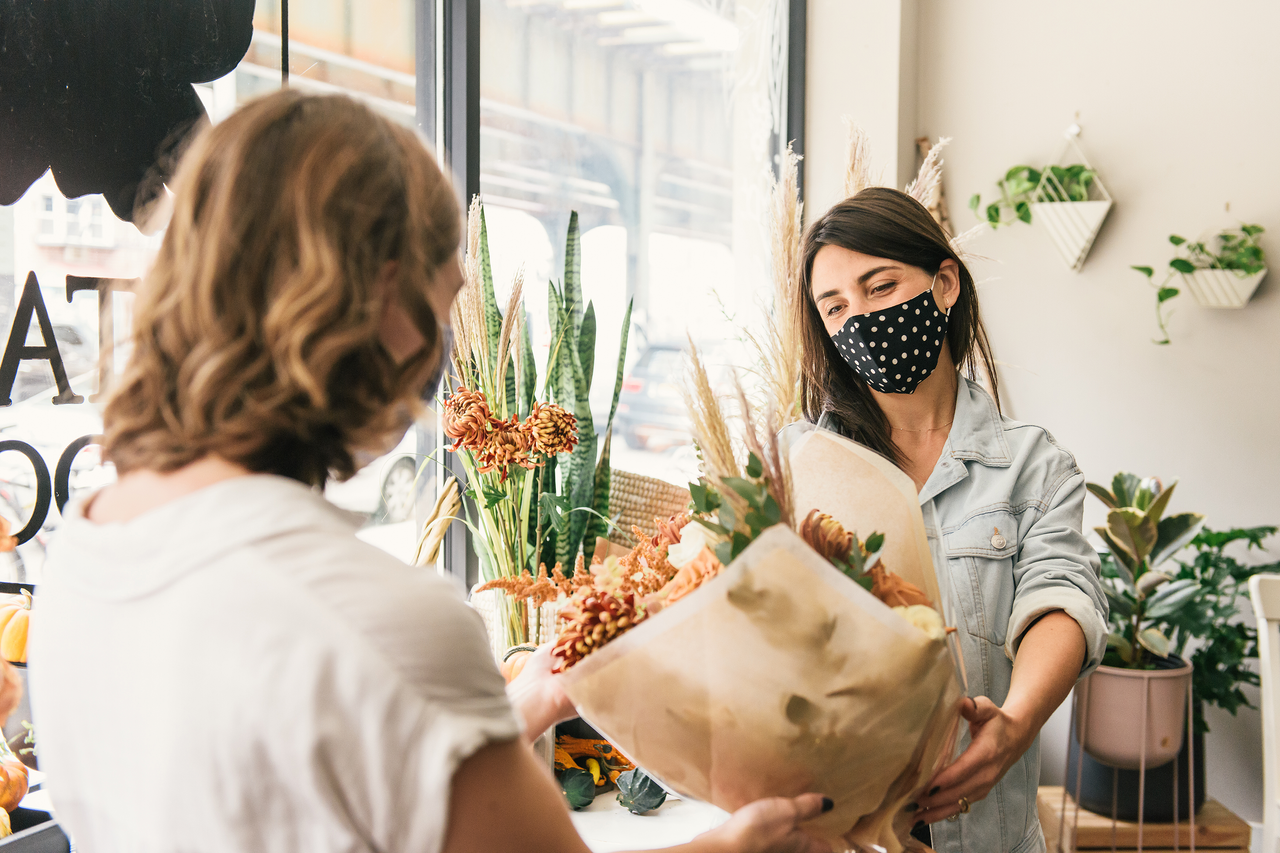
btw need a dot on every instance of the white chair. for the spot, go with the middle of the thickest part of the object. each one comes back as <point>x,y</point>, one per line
<point>1265,592</point>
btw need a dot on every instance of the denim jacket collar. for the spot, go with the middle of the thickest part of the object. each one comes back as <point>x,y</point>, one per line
<point>977,435</point>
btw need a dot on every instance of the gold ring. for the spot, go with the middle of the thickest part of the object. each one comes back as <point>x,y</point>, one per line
<point>964,805</point>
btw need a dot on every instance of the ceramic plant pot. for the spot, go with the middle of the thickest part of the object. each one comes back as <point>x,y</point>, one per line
<point>1222,288</point>
<point>1114,705</point>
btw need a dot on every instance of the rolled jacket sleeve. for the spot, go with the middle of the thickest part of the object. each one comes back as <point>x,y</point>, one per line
<point>1057,569</point>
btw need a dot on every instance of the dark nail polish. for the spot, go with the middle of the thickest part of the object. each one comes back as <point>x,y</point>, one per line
<point>918,825</point>
<point>828,804</point>
<point>911,807</point>
<point>935,790</point>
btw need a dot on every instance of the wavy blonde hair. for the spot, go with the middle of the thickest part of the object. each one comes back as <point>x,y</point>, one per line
<point>256,333</point>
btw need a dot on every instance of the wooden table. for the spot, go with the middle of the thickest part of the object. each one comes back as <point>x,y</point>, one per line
<point>1217,829</point>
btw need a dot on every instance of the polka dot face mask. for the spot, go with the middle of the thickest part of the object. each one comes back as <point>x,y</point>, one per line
<point>894,349</point>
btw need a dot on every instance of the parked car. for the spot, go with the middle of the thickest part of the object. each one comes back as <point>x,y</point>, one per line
<point>386,488</point>
<point>651,410</point>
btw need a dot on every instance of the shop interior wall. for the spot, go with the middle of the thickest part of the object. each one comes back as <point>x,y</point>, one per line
<point>1174,97</point>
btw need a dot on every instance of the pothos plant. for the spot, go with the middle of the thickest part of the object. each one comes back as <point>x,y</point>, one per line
<point>1234,249</point>
<point>1018,191</point>
<point>1142,596</point>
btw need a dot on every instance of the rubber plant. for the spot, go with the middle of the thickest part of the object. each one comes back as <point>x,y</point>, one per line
<point>1140,538</point>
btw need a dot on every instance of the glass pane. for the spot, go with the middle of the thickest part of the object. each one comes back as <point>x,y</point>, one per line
<point>656,120</point>
<point>362,48</point>
<point>365,49</point>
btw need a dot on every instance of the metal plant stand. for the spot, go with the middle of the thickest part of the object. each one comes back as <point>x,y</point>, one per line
<point>1142,780</point>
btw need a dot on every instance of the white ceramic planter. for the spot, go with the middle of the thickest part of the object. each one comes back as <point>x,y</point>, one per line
<point>1222,288</point>
<point>1072,226</point>
<point>1112,705</point>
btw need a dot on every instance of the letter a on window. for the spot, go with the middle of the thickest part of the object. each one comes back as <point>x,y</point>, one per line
<point>17,350</point>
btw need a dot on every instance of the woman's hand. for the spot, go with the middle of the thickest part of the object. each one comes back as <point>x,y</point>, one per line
<point>537,695</point>
<point>998,740</point>
<point>768,826</point>
<point>1048,663</point>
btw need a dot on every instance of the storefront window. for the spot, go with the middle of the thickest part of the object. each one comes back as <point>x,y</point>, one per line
<point>364,49</point>
<point>658,121</point>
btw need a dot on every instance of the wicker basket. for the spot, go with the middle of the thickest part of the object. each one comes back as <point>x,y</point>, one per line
<point>637,500</point>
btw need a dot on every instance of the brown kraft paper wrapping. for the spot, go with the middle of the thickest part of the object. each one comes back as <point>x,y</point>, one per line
<point>779,677</point>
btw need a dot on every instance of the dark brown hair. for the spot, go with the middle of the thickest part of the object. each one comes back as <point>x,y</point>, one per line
<point>883,223</point>
<point>256,333</point>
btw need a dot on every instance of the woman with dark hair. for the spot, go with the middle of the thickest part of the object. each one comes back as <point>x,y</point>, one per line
<point>895,357</point>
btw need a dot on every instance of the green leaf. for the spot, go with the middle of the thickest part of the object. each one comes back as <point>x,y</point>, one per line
<point>1175,533</point>
<point>975,201</point>
<point>597,526</point>
<point>749,491</point>
<point>1125,562</point>
<point>587,348</point>
<point>1252,230</point>
<point>1134,530</point>
<point>728,519</point>
<point>528,369</point>
<point>1024,211</point>
<point>724,552</point>
<point>874,542</point>
<point>1182,265</point>
<point>1102,494</point>
<point>1124,486</point>
<point>573,272</point>
<point>1147,271</point>
<point>1154,641</point>
<point>1176,240</point>
<point>622,362</point>
<point>493,496</point>
<point>1121,645</point>
<point>1171,598</point>
<point>1120,605</point>
<point>578,787</point>
<point>554,508</point>
<point>638,793</point>
<point>1164,294</point>
<point>755,469</point>
<point>1161,503</point>
<point>705,498</point>
<point>740,543</point>
<point>492,316</point>
<point>993,214</point>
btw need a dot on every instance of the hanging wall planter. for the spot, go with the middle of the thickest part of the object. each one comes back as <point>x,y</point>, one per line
<point>1221,271</point>
<point>1066,200</point>
<point>1070,210</point>
<point>1223,288</point>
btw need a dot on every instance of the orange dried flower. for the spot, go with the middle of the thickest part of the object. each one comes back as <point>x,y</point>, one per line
<point>466,419</point>
<point>592,619</point>
<point>827,536</point>
<point>703,568</point>
<point>895,591</point>
<point>669,530</point>
<point>506,445</point>
<point>551,429</point>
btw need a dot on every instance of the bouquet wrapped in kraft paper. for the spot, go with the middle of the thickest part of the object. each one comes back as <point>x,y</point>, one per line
<point>783,674</point>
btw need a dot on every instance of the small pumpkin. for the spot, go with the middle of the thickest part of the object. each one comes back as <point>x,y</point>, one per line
<point>514,660</point>
<point>15,617</point>
<point>13,778</point>
<point>638,793</point>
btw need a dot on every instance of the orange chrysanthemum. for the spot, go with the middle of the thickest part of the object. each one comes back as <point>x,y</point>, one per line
<point>466,419</point>
<point>551,429</point>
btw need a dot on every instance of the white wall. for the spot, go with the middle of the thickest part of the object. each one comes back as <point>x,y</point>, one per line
<point>1176,101</point>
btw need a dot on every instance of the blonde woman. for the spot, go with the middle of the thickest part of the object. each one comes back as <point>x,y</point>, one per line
<point>218,664</point>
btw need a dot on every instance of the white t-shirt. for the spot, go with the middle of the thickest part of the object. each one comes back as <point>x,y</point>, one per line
<point>235,671</point>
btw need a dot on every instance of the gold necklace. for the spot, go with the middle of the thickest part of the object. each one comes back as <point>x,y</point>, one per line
<point>929,429</point>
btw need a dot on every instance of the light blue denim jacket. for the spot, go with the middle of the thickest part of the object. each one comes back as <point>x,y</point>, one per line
<point>1009,502</point>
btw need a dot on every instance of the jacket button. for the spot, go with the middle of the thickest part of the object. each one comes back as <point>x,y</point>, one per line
<point>998,541</point>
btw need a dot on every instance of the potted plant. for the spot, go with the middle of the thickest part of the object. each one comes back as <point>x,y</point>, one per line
<point>1221,277</point>
<point>1067,201</point>
<point>1141,685</point>
<point>537,473</point>
<point>1223,644</point>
